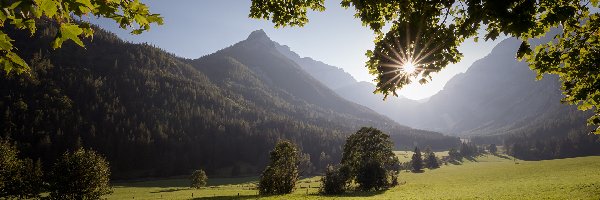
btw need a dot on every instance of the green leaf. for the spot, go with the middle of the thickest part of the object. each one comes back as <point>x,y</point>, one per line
<point>87,3</point>
<point>5,42</point>
<point>49,7</point>
<point>30,24</point>
<point>141,19</point>
<point>8,66</point>
<point>67,32</point>
<point>14,5</point>
<point>16,59</point>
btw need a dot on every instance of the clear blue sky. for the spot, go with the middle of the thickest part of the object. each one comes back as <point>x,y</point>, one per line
<point>198,27</point>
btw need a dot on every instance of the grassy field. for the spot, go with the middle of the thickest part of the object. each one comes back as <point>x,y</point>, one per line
<point>488,177</point>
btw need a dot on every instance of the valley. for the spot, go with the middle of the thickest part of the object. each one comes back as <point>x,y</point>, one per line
<point>488,177</point>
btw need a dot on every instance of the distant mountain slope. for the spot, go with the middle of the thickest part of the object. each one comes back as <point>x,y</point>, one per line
<point>331,76</point>
<point>154,114</point>
<point>345,85</point>
<point>496,95</point>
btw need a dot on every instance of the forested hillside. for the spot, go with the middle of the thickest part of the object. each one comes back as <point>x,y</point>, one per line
<point>153,114</point>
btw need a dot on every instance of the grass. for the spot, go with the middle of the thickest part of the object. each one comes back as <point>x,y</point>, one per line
<point>488,177</point>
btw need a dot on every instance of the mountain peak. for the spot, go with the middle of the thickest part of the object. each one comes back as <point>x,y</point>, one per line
<point>258,34</point>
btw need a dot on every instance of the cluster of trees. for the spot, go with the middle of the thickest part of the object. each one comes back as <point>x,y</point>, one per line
<point>82,174</point>
<point>467,150</point>
<point>575,144</point>
<point>470,149</point>
<point>426,160</point>
<point>368,161</point>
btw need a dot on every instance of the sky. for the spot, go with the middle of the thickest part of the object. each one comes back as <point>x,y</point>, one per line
<point>194,28</point>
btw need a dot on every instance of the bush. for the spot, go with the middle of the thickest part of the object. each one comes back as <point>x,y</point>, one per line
<point>335,180</point>
<point>198,179</point>
<point>281,174</point>
<point>83,174</point>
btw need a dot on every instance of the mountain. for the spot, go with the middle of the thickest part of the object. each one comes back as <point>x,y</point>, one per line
<point>331,76</point>
<point>496,95</point>
<point>345,85</point>
<point>153,114</point>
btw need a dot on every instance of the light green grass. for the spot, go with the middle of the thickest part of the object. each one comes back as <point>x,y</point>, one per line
<point>488,178</point>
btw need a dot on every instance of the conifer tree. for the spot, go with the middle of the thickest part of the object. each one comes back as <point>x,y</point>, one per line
<point>417,161</point>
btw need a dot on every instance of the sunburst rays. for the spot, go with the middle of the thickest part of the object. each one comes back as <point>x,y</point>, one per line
<point>407,61</point>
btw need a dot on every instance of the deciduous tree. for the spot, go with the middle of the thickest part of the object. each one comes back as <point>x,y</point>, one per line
<point>198,179</point>
<point>370,160</point>
<point>281,174</point>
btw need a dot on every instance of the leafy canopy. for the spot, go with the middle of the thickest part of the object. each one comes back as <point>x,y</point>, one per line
<point>369,159</point>
<point>426,34</point>
<point>24,14</point>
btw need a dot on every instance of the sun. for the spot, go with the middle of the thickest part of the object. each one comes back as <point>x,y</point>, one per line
<point>409,67</point>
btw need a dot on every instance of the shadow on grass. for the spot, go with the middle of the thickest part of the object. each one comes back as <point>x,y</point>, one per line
<point>182,182</point>
<point>230,197</point>
<point>352,194</point>
<point>470,158</point>
<point>170,190</point>
<point>502,156</point>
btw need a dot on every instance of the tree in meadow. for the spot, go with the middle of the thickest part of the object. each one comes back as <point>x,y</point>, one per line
<point>416,161</point>
<point>431,160</point>
<point>281,175</point>
<point>198,179</point>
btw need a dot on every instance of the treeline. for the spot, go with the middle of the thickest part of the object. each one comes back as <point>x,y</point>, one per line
<point>574,145</point>
<point>549,138</point>
<point>153,114</point>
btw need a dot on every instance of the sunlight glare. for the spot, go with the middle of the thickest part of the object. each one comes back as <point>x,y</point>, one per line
<point>409,67</point>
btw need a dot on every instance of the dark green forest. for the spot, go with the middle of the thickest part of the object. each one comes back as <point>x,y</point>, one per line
<point>153,114</point>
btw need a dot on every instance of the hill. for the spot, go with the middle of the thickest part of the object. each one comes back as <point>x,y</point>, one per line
<point>153,114</point>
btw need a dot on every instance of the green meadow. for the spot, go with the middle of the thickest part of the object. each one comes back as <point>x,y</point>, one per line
<point>487,177</point>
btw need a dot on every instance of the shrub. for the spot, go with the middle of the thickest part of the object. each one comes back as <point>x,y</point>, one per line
<point>335,180</point>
